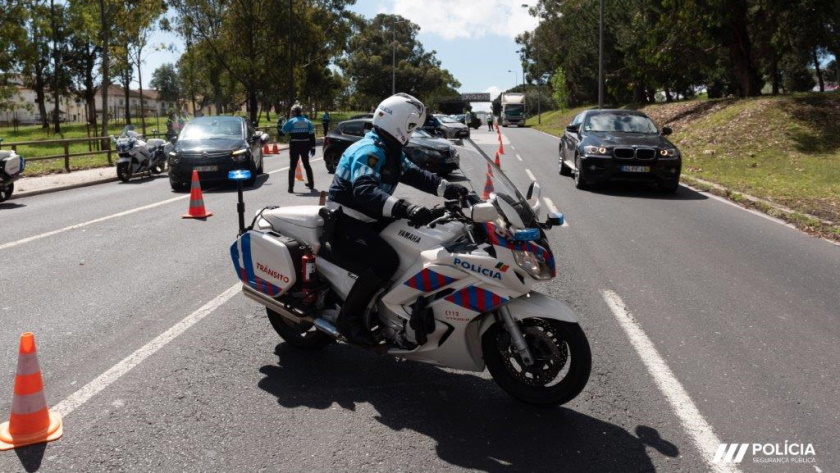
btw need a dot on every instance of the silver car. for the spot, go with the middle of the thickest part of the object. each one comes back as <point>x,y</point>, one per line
<point>447,127</point>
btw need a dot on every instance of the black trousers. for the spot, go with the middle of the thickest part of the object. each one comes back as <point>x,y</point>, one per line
<point>326,127</point>
<point>360,241</point>
<point>299,150</point>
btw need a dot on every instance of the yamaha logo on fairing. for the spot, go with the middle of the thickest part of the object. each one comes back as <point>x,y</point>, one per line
<point>478,269</point>
<point>409,236</point>
<point>272,273</point>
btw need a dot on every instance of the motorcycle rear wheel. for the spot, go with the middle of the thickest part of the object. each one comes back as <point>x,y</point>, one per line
<point>298,335</point>
<point>6,192</point>
<point>124,171</point>
<point>562,364</point>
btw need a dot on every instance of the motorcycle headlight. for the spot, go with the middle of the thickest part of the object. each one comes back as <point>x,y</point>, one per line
<point>532,265</point>
<point>595,150</point>
<point>239,155</point>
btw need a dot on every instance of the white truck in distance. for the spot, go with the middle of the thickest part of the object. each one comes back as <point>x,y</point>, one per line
<point>513,109</point>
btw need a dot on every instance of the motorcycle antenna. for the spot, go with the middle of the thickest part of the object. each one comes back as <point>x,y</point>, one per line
<point>238,176</point>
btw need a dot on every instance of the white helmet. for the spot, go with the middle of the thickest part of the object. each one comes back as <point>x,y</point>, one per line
<point>399,115</point>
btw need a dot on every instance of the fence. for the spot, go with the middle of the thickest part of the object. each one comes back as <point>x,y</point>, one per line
<point>96,146</point>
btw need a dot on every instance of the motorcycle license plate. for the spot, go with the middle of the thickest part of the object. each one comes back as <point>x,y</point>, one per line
<point>206,168</point>
<point>635,168</point>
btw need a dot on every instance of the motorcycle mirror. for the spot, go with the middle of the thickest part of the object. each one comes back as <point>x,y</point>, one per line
<point>555,219</point>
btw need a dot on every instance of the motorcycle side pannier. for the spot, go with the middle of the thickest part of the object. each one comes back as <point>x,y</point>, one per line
<point>267,261</point>
<point>10,164</point>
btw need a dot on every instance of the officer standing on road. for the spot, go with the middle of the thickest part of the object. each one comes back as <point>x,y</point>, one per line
<point>365,179</point>
<point>489,122</point>
<point>301,142</point>
<point>325,120</point>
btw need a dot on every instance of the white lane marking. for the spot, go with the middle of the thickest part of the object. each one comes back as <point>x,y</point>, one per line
<point>109,217</point>
<point>553,209</point>
<point>690,417</point>
<point>519,157</point>
<point>530,174</point>
<point>107,378</point>
<point>91,222</point>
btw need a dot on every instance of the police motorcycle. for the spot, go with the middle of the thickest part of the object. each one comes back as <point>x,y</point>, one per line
<point>463,296</point>
<point>138,155</point>
<point>11,168</point>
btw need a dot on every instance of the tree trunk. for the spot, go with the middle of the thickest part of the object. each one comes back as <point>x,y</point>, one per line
<point>740,50</point>
<point>142,100</point>
<point>774,74</point>
<point>106,62</point>
<point>55,86</point>
<point>818,70</point>
<point>40,97</point>
<point>127,92</point>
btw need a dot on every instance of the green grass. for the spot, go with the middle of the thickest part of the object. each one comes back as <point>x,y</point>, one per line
<point>783,149</point>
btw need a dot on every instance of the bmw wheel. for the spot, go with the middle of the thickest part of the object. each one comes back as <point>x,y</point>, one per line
<point>6,192</point>
<point>124,171</point>
<point>580,181</point>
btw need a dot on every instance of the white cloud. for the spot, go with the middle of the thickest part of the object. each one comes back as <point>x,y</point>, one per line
<point>494,91</point>
<point>458,19</point>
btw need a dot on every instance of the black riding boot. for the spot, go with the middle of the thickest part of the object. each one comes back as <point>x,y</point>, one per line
<point>350,319</point>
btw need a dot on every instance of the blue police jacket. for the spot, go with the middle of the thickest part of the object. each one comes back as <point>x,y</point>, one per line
<point>367,175</point>
<point>300,130</point>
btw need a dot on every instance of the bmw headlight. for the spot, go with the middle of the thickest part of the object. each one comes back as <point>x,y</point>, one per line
<point>529,262</point>
<point>239,155</point>
<point>668,153</point>
<point>595,150</point>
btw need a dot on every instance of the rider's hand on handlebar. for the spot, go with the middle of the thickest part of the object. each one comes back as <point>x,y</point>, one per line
<point>455,191</point>
<point>416,215</point>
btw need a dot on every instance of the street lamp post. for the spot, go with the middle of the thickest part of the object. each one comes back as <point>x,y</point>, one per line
<point>539,74</point>
<point>515,79</point>
<point>601,56</point>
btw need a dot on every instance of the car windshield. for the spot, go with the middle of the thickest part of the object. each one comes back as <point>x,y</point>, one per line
<point>212,128</point>
<point>621,122</point>
<point>447,120</point>
<point>420,133</point>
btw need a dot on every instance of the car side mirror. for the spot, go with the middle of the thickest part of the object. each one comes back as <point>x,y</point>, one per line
<point>666,130</point>
<point>573,128</point>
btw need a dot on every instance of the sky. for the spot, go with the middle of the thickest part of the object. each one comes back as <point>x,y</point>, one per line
<point>474,40</point>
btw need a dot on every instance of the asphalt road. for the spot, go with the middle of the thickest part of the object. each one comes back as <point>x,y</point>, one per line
<point>157,363</point>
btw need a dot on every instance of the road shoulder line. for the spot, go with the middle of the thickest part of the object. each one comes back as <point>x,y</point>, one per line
<point>691,419</point>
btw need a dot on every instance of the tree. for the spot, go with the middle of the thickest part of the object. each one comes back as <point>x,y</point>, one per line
<point>561,88</point>
<point>369,64</point>
<point>167,82</point>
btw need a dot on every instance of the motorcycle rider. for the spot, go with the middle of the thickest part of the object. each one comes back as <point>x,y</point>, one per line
<point>365,179</point>
<point>301,142</point>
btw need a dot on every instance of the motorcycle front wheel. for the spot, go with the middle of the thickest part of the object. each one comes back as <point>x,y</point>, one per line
<point>6,192</point>
<point>124,171</point>
<point>297,335</point>
<point>562,361</point>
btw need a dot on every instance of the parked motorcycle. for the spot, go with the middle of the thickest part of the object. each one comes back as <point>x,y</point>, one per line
<point>462,298</point>
<point>138,155</point>
<point>11,168</point>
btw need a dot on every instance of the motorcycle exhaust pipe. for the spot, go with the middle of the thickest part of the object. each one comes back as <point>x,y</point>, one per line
<point>273,305</point>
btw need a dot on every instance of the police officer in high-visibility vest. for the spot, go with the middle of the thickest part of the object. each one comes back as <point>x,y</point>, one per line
<point>363,188</point>
<point>301,144</point>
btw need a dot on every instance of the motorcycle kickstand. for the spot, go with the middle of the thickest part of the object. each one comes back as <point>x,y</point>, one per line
<point>516,336</point>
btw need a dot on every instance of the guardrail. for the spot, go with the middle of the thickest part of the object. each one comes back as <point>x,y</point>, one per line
<point>96,146</point>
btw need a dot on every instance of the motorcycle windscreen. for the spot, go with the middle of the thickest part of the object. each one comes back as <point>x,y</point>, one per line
<point>263,262</point>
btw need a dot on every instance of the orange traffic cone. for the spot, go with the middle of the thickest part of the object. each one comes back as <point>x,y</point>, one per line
<point>276,149</point>
<point>265,149</point>
<point>498,163</point>
<point>501,148</point>
<point>488,184</point>
<point>299,172</point>
<point>31,420</point>
<point>196,200</point>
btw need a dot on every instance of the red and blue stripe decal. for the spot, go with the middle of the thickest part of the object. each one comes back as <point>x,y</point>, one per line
<point>246,273</point>
<point>476,299</point>
<point>428,281</point>
<point>542,253</point>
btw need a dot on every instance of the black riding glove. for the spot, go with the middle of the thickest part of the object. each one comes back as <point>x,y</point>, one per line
<point>416,215</point>
<point>455,191</point>
<point>312,152</point>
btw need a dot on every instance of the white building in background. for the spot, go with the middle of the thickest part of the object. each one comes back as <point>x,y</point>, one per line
<point>23,107</point>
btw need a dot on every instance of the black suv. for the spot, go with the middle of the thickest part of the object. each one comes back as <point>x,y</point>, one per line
<point>433,154</point>
<point>601,145</point>
<point>213,146</point>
